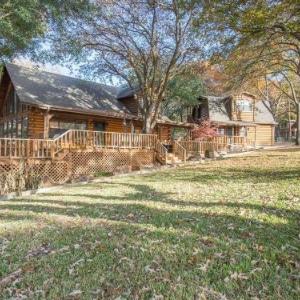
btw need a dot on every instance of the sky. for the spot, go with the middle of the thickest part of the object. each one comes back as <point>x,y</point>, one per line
<point>59,69</point>
<point>53,68</point>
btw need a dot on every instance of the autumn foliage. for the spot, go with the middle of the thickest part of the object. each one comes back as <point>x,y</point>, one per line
<point>204,129</point>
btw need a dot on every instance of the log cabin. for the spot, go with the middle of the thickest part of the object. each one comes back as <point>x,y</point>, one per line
<point>55,128</point>
<point>36,104</point>
<point>237,115</point>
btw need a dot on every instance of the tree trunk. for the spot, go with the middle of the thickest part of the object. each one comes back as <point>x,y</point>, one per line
<point>298,123</point>
<point>147,123</point>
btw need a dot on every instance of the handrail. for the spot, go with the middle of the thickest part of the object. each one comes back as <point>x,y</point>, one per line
<point>73,139</point>
<point>179,151</point>
<point>25,148</point>
<point>198,147</point>
<point>161,151</point>
<point>218,143</point>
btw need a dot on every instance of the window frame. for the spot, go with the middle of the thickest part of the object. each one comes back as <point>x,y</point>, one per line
<point>243,107</point>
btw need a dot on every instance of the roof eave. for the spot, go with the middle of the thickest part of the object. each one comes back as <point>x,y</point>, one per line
<point>239,123</point>
<point>85,111</point>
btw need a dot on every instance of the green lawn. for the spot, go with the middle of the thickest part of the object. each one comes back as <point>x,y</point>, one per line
<point>228,229</point>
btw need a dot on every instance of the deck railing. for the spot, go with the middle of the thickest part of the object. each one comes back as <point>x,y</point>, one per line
<point>200,147</point>
<point>161,152</point>
<point>25,148</point>
<point>233,140</point>
<point>219,143</point>
<point>179,151</point>
<point>73,139</point>
<point>83,139</point>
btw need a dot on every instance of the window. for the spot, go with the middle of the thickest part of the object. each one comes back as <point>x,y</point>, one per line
<point>63,124</point>
<point>58,127</point>
<point>243,131</point>
<point>221,131</point>
<point>99,126</point>
<point>244,105</point>
<point>229,131</point>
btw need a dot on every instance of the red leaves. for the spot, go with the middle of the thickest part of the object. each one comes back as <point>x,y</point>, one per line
<point>203,130</point>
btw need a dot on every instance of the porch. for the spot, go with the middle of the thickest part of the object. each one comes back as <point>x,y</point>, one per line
<point>85,140</point>
<point>31,163</point>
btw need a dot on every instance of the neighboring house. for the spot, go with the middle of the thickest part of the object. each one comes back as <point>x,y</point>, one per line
<point>286,131</point>
<point>39,105</point>
<point>238,115</point>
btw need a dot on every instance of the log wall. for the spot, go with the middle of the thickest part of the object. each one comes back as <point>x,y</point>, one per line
<point>36,126</point>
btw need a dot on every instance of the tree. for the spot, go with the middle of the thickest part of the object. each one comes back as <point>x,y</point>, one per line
<point>23,22</point>
<point>290,88</point>
<point>254,36</point>
<point>145,43</point>
<point>183,91</point>
<point>204,129</point>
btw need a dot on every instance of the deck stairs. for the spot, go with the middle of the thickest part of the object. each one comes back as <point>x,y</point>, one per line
<point>170,153</point>
<point>172,159</point>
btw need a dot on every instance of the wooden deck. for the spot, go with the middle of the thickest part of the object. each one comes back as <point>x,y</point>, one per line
<point>15,148</point>
<point>72,140</point>
<point>78,153</point>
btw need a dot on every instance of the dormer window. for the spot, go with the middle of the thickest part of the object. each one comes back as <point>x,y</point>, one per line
<point>244,105</point>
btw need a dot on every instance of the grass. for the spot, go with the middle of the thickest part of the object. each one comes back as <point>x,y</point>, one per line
<point>228,229</point>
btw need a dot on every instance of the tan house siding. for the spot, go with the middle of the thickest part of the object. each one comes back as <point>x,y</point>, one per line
<point>264,135</point>
<point>242,116</point>
<point>251,134</point>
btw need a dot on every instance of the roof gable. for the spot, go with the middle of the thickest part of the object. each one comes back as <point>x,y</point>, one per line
<point>58,91</point>
<point>218,108</point>
<point>262,113</point>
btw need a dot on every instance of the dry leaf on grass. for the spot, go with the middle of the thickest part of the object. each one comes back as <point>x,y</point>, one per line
<point>10,278</point>
<point>76,294</point>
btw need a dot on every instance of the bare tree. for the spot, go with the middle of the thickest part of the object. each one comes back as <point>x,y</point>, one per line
<point>144,42</point>
<point>290,88</point>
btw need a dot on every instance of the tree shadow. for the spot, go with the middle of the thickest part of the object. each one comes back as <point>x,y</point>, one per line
<point>138,208</point>
<point>145,216</point>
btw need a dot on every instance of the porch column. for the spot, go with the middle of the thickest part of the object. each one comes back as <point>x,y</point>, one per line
<point>47,118</point>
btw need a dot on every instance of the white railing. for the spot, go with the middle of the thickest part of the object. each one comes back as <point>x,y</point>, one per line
<point>73,139</point>
<point>199,147</point>
<point>219,144</point>
<point>161,152</point>
<point>25,148</point>
<point>179,151</point>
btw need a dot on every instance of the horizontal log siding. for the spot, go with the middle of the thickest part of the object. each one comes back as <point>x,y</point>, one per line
<point>131,104</point>
<point>36,124</point>
<point>111,124</point>
<point>164,132</point>
<point>90,125</point>
<point>115,125</point>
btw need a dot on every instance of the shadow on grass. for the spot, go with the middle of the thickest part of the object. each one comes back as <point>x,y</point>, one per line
<point>213,220</point>
<point>145,216</point>
<point>233,174</point>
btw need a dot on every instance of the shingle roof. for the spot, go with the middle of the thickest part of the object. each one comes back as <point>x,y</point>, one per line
<point>262,114</point>
<point>47,89</point>
<point>217,108</point>
<point>218,111</point>
<point>127,91</point>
